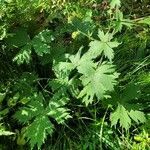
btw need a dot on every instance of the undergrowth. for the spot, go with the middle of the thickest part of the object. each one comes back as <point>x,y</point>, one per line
<point>74,74</point>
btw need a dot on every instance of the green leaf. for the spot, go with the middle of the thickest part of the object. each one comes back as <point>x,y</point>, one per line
<point>25,84</point>
<point>124,116</point>
<point>137,116</point>
<point>36,115</point>
<point>86,67</point>
<point>46,36</point>
<point>95,49</point>
<point>130,92</point>
<point>40,47</point>
<point>127,96</point>
<point>75,59</point>
<point>37,131</point>
<point>120,21</point>
<point>41,42</point>
<point>104,37</point>
<point>84,25</point>
<point>13,100</point>
<point>83,64</point>
<point>62,69</point>
<point>121,115</point>
<point>98,83</point>
<point>25,114</point>
<point>105,46</point>
<point>2,32</point>
<point>5,133</point>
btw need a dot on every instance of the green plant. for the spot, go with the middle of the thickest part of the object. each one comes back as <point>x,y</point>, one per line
<point>66,61</point>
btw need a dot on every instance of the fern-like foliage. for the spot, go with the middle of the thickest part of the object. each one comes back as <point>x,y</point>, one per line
<point>37,131</point>
<point>24,55</point>
<point>36,115</point>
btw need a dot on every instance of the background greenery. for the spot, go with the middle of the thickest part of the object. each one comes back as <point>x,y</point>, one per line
<point>74,74</point>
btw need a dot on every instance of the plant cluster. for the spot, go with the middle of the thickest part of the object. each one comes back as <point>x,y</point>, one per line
<point>74,75</point>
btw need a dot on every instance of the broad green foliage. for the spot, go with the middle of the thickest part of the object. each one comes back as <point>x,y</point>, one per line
<point>126,110</point>
<point>142,141</point>
<point>120,21</point>
<point>124,117</point>
<point>105,46</point>
<point>97,78</point>
<point>18,38</point>
<point>98,82</point>
<point>74,74</point>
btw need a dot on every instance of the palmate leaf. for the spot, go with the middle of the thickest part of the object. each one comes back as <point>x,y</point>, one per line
<point>105,45</point>
<point>60,85</point>
<point>124,117</point>
<point>127,110</point>
<point>75,59</point>
<point>97,80</point>
<point>121,115</point>
<point>137,116</point>
<point>86,67</point>
<point>62,70</point>
<point>40,44</point>
<point>98,83</point>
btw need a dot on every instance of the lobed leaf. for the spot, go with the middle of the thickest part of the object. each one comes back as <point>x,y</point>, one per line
<point>38,130</point>
<point>98,83</point>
